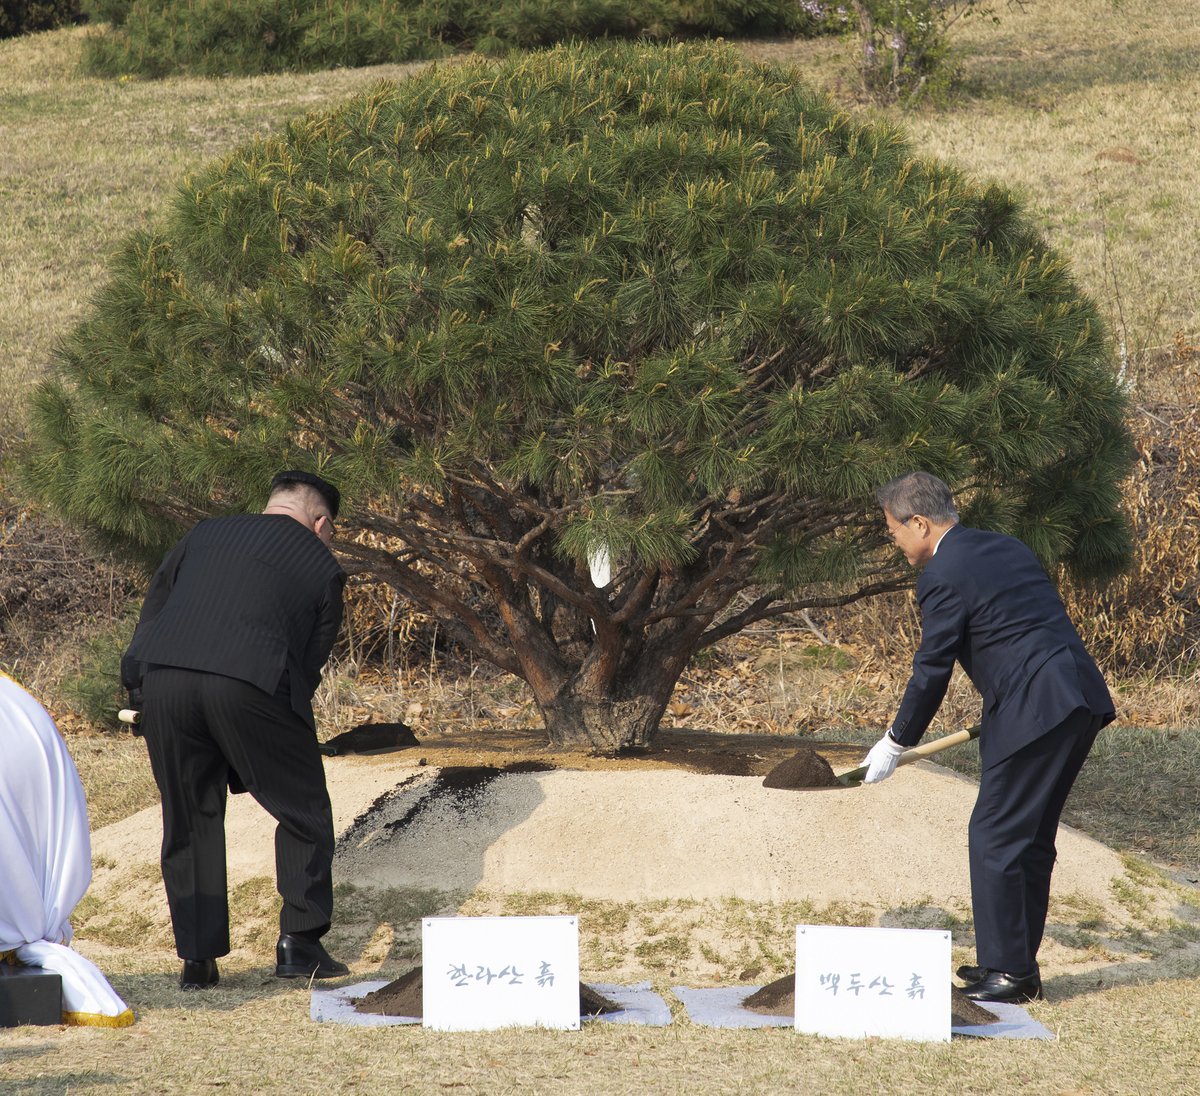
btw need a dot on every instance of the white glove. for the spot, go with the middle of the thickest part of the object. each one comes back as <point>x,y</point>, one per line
<point>881,761</point>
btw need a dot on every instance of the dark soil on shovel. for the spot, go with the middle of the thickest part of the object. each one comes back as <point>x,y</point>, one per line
<point>804,769</point>
<point>779,999</point>
<point>403,998</point>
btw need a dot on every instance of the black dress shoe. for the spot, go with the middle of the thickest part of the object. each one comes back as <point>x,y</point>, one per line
<point>972,974</point>
<point>296,957</point>
<point>199,974</point>
<point>998,986</point>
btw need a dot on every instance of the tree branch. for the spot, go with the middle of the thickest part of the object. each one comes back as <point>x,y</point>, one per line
<point>766,607</point>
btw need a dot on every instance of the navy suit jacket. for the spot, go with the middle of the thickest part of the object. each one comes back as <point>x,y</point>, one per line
<point>987,603</point>
<point>251,597</point>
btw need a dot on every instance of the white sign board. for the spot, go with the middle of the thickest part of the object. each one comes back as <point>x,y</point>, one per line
<point>483,973</point>
<point>861,982</point>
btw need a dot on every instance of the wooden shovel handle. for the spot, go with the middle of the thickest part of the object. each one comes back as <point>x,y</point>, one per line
<point>928,749</point>
<point>854,776</point>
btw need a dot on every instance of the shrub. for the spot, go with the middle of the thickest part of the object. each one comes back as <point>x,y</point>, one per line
<point>211,37</point>
<point>27,16</point>
<point>94,689</point>
<point>655,311</point>
<point>215,37</point>
<point>107,11</point>
<point>903,49</point>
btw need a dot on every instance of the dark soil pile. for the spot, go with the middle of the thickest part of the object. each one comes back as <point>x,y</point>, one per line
<point>804,769</point>
<point>403,998</point>
<point>779,999</point>
<point>399,998</point>
<point>966,1013</point>
<point>370,738</point>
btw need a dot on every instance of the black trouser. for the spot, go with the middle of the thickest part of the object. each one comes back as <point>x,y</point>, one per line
<point>1011,842</point>
<point>200,729</point>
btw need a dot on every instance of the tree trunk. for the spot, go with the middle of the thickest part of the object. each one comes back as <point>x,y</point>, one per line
<point>620,711</point>
<point>604,725</point>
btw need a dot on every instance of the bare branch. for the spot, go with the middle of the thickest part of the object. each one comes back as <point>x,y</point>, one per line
<point>767,606</point>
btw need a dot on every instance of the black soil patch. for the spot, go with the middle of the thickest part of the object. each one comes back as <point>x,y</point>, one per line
<point>403,998</point>
<point>804,769</point>
<point>470,778</point>
<point>779,999</point>
<point>370,738</point>
<point>464,787</point>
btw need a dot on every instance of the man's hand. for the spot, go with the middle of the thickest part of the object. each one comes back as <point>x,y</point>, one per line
<point>881,761</point>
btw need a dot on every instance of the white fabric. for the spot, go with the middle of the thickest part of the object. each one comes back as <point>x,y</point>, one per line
<point>600,565</point>
<point>45,851</point>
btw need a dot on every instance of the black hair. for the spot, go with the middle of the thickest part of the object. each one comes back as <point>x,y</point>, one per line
<point>296,477</point>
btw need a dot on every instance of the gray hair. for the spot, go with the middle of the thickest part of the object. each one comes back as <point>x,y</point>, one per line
<point>917,493</point>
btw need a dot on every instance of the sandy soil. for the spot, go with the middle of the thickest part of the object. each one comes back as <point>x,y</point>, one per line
<point>632,833</point>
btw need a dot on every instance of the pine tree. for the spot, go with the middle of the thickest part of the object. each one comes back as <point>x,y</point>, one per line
<point>652,311</point>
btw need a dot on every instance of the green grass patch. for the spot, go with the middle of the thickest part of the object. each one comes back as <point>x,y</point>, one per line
<point>1138,792</point>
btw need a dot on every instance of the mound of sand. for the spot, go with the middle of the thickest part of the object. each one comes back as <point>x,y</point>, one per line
<point>632,834</point>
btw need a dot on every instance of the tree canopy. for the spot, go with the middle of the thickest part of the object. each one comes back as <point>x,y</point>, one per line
<point>655,311</point>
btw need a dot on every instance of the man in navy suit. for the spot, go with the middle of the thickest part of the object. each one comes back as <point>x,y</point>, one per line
<point>988,604</point>
<point>238,621</point>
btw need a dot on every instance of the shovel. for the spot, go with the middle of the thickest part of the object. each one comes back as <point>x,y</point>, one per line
<point>853,778</point>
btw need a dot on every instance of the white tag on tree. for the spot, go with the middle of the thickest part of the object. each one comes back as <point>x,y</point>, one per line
<point>600,565</point>
<point>862,982</point>
<point>483,973</point>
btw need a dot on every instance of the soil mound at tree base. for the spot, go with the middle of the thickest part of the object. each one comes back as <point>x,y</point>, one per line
<point>779,999</point>
<point>403,997</point>
<point>369,738</point>
<point>804,769</point>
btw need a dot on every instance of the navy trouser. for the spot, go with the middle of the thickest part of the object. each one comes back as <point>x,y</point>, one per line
<point>202,731</point>
<point>1011,842</point>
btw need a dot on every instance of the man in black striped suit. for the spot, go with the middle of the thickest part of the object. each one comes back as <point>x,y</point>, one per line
<point>238,621</point>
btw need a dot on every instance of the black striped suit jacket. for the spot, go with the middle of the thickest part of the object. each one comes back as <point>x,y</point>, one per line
<point>251,597</point>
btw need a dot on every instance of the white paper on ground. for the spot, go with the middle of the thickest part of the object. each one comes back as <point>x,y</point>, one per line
<point>722,1007</point>
<point>1013,1023</point>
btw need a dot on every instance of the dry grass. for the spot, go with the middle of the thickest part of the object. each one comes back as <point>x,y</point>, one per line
<point>252,1034</point>
<point>86,161</point>
<point>115,773</point>
<point>1089,110</point>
